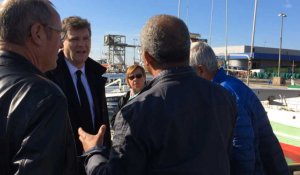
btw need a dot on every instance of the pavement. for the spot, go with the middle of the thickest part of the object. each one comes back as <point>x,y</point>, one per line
<point>266,83</point>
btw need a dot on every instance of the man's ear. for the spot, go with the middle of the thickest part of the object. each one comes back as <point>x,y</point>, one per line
<point>148,58</point>
<point>200,69</point>
<point>37,33</point>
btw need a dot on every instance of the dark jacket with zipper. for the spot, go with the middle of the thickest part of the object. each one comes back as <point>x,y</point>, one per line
<point>180,124</point>
<point>123,100</point>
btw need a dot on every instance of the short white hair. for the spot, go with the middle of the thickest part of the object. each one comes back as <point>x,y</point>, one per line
<point>202,54</point>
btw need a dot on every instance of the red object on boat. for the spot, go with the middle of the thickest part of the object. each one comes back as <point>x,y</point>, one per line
<point>291,152</point>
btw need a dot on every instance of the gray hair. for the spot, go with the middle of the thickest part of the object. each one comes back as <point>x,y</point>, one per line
<point>202,54</point>
<point>166,39</point>
<point>17,17</point>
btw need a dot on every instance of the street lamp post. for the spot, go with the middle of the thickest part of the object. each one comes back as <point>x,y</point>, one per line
<point>134,39</point>
<point>282,15</point>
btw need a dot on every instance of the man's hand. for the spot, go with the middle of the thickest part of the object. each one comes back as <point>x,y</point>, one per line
<point>89,141</point>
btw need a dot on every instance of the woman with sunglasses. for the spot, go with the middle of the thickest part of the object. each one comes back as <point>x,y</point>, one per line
<point>135,79</point>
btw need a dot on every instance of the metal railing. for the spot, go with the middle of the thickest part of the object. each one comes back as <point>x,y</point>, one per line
<point>117,81</point>
<point>116,86</point>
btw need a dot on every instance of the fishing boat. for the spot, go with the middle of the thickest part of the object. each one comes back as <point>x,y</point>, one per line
<point>286,125</point>
<point>283,109</point>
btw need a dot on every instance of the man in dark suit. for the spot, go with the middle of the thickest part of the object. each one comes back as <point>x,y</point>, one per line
<point>81,79</point>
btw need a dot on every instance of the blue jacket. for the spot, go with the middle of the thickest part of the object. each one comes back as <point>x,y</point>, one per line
<point>173,127</point>
<point>256,149</point>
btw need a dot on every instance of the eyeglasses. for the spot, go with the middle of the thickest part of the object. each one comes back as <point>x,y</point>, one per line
<point>137,76</point>
<point>61,31</point>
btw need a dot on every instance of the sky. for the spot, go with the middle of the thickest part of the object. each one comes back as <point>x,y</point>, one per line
<point>127,17</point>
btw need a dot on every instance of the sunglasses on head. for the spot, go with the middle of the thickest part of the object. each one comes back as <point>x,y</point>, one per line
<point>137,76</point>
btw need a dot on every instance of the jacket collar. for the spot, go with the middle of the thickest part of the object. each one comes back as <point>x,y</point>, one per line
<point>90,63</point>
<point>172,73</point>
<point>220,76</point>
<point>9,58</point>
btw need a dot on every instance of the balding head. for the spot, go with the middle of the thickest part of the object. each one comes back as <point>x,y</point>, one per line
<point>166,39</point>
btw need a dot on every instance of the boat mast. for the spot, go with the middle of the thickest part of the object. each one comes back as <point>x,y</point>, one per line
<point>211,18</point>
<point>252,43</point>
<point>226,37</point>
<point>179,7</point>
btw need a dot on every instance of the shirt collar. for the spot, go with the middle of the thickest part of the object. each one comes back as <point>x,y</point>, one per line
<point>73,69</point>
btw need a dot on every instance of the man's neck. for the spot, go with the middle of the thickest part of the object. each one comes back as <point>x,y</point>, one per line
<point>15,48</point>
<point>156,71</point>
<point>77,65</point>
<point>212,74</point>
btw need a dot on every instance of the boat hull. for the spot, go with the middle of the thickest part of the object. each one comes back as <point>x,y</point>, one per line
<point>291,153</point>
<point>286,126</point>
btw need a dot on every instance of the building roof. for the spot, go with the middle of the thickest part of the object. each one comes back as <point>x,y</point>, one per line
<point>265,53</point>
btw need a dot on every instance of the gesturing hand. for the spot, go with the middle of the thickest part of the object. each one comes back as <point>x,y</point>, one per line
<point>89,141</point>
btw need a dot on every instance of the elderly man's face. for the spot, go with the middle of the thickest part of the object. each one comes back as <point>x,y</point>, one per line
<point>53,42</point>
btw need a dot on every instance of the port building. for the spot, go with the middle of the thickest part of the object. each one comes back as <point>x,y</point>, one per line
<point>263,57</point>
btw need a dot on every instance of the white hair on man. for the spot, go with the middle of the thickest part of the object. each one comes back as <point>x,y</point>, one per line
<point>202,54</point>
